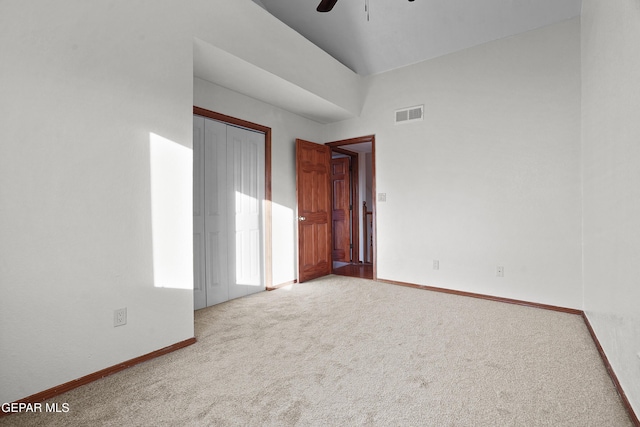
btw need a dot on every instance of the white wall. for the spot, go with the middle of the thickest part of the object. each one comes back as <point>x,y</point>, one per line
<point>84,86</point>
<point>285,128</point>
<point>611,173</point>
<point>491,176</point>
<point>95,171</point>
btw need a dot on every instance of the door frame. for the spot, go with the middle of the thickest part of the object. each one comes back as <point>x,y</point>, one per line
<point>354,176</point>
<point>344,143</point>
<point>268,257</point>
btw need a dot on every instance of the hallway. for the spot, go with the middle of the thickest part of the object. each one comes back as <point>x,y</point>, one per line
<point>364,271</point>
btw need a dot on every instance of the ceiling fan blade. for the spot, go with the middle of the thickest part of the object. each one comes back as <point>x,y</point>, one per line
<point>326,5</point>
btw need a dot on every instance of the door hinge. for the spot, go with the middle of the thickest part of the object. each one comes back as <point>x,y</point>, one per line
<point>350,245</point>
<point>350,207</point>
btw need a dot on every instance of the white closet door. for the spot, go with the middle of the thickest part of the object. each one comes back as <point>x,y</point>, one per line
<point>245,158</point>
<point>199,292</point>
<point>216,212</point>
<point>228,194</point>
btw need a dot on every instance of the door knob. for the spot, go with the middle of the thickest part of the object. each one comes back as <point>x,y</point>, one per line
<point>301,218</point>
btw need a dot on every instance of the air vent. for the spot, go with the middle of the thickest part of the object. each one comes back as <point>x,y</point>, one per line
<point>410,114</point>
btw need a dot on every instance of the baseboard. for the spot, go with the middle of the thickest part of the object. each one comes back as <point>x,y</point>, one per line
<point>282,285</point>
<point>612,374</point>
<point>486,297</point>
<point>63,388</point>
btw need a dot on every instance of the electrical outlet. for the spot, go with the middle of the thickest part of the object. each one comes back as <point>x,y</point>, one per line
<point>120,317</point>
<point>436,264</point>
<point>500,271</point>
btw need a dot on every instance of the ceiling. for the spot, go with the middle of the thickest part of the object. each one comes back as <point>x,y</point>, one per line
<point>397,33</point>
<point>218,66</point>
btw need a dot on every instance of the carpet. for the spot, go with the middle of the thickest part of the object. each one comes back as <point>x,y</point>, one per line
<point>349,351</point>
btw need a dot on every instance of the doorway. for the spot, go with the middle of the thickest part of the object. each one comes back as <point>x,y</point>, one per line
<point>232,211</point>
<point>314,207</point>
<point>353,207</point>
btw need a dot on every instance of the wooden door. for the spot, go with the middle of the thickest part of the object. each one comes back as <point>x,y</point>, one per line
<point>314,210</point>
<point>341,209</point>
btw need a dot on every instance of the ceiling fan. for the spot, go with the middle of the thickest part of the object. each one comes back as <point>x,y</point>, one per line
<point>327,5</point>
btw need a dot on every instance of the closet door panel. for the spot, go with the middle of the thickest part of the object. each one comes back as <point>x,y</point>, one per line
<point>199,292</point>
<point>216,212</point>
<point>245,157</point>
<point>228,198</point>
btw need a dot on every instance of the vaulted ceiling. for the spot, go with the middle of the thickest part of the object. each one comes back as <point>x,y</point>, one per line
<point>394,33</point>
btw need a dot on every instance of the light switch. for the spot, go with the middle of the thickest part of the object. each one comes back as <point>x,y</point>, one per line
<point>382,197</point>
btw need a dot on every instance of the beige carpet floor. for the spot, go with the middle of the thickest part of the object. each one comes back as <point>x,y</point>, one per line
<point>346,351</point>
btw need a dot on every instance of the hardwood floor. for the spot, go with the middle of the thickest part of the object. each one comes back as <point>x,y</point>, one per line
<point>364,271</point>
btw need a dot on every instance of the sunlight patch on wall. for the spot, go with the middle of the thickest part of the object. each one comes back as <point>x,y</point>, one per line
<point>249,239</point>
<point>284,255</point>
<point>171,213</point>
